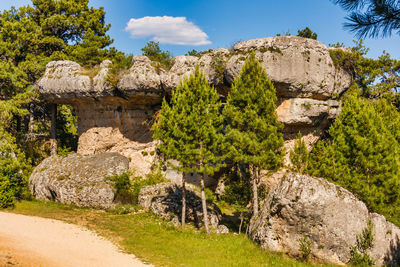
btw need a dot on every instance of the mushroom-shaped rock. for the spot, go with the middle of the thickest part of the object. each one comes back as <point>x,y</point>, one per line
<point>64,80</point>
<point>299,67</point>
<point>142,81</point>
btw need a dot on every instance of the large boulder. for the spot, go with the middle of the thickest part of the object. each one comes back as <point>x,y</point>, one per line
<point>78,179</point>
<point>165,200</point>
<point>325,214</point>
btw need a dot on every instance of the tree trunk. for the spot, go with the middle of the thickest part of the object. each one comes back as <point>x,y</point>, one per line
<point>31,119</point>
<point>53,140</point>
<point>255,191</point>
<point>183,201</point>
<point>204,204</point>
<point>241,222</point>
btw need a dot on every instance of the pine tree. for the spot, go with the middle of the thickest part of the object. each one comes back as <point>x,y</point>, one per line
<point>363,152</point>
<point>190,130</point>
<point>299,155</point>
<point>253,130</point>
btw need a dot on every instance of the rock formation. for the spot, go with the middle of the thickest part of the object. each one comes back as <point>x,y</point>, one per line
<point>118,117</point>
<point>78,179</point>
<point>165,200</point>
<point>327,215</point>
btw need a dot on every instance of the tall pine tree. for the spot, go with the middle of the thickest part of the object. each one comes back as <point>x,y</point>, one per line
<point>253,130</point>
<point>362,154</point>
<point>190,130</point>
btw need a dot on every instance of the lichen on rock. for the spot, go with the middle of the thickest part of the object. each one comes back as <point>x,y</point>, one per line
<point>329,216</point>
<point>78,179</point>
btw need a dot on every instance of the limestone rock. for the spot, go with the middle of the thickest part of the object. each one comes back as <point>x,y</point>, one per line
<point>64,80</point>
<point>327,215</point>
<point>165,200</point>
<point>298,67</point>
<point>142,81</point>
<point>78,179</point>
<point>212,64</point>
<point>306,112</point>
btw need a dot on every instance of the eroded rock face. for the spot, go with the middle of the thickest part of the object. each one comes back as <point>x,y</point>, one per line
<point>298,67</point>
<point>118,118</point>
<point>78,179</point>
<point>165,200</point>
<point>327,215</point>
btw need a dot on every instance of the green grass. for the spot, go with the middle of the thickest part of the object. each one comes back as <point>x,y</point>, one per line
<point>158,242</point>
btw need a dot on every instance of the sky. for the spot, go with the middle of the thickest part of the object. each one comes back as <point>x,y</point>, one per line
<point>181,26</point>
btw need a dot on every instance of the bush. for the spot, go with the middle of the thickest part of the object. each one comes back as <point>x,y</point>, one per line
<point>123,188</point>
<point>359,255</point>
<point>299,155</point>
<point>153,178</point>
<point>153,51</point>
<point>14,172</point>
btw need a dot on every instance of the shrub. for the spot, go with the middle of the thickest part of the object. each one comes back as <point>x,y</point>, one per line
<point>359,252</point>
<point>305,248</point>
<point>299,155</point>
<point>14,172</point>
<point>123,188</point>
<point>153,51</point>
<point>138,182</point>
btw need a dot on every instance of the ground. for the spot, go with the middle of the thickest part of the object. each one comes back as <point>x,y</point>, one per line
<point>34,241</point>
<point>158,242</point>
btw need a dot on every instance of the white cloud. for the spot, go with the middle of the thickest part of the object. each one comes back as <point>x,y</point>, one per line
<point>167,30</point>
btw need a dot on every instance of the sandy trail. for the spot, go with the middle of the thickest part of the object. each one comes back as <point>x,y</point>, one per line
<point>34,241</point>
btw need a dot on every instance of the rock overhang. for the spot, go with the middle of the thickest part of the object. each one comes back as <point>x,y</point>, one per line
<point>298,67</point>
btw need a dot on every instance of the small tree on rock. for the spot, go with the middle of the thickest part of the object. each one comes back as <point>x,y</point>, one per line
<point>252,127</point>
<point>190,130</point>
<point>299,155</point>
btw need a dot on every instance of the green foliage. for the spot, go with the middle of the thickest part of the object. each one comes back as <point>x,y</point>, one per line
<point>30,37</point>
<point>121,63</point>
<point>362,153</point>
<point>190,128</point>
<point>193,53</point>
<point>371,18</point>
<point>153,51</point>
<point>123,188</point>
<point>305,248</point>
<point>299,155</point>
<point>250,114</point>
<point>67,127</point>
<point>138,182</point>
<point>375,78</point>
<point>14,170</point>
<point>307,33</point>
<point>359,252</point>
<point>238,190</point>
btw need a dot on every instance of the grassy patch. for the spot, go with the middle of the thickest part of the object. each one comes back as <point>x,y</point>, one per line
<point>157,242</point>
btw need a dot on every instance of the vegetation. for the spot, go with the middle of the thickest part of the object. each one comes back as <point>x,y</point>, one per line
<point>30,37</point>
<point>371,18</point>
<point>158,242</point>
<point>299,155</point>
<point>362,153</point>
<point>307,33</point>
<point>153,51</point>
<point>252,128</point>
<point>193,53</point>
<point>190,128</point>
<point>359,252</point>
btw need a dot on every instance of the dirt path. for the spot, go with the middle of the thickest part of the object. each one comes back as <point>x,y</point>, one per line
<point>33,241</point>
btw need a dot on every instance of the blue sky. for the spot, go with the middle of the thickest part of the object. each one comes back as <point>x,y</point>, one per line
<point>208,24</point>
